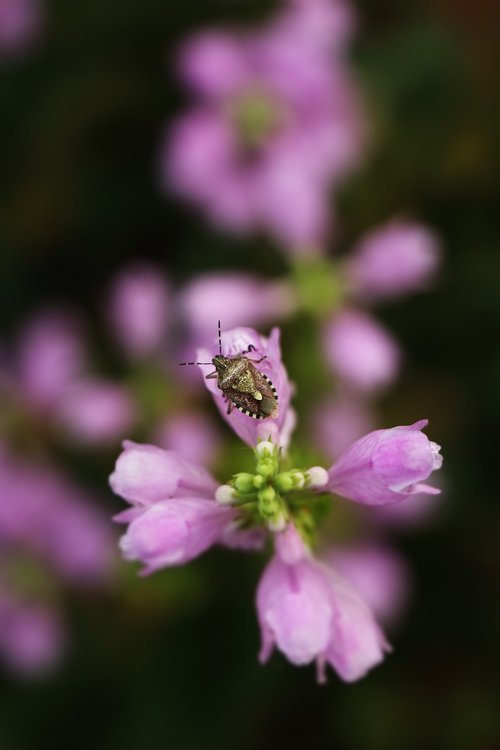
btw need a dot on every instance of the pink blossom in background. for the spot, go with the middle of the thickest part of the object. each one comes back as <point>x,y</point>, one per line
<point>50,375</point>
<point>191,434</point>
<point>360,351</point>
<point>386,466</point>
<point>52,353</point>
<point>32,638</point>
<point>340,421</point>
<point>378,573</point>
<point>20,22</point>
<point>46,514</point>
<point>327,25</point>
<point>312,614</point>
<point>276,124</point>
<point>95,411</point>
<point>392,260</point>
<point>235,342</point>
<point>139,309</point>
<point>238,298</point>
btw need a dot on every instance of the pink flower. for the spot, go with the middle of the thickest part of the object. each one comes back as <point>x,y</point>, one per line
<point>43,513</point>
<point>250,430</point>
<point>361,352</point>
<point>241,299</point>
<point>325,25</point>
<point>20,22</point>
<point>386,466</point>
<point>174,517</point>
<point>51,355</point>
<point>31,635</point>
<point>145,474</point>
<point>139,309</point>
<point>173,532</point>
<point>394,259</point>
<point>50,376</point>
<point>378,573</point>
<point>190,434</point>
<point>340,421</point>
<point>94,410</point>
<point>312,614</point>
<point>276,124</point>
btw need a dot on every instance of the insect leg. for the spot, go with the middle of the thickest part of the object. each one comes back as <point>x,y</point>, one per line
<point>251,348</point>
<point>211,375</point>
<point>256,361</point>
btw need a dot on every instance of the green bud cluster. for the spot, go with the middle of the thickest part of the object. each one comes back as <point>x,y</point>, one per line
<point>264,492</point>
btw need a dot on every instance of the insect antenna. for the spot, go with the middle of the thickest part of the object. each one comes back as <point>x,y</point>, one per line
<point>181,364</point>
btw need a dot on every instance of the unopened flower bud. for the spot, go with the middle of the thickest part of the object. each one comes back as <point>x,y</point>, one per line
<point>225,494</point>
<point>266,467</point>
<point>316,476</point>
<point>258,481</point>
<point>243,482</point>
<point>284,482</point>
<point>265,449</point>
<point>298,479</point>
<point>268,502</point>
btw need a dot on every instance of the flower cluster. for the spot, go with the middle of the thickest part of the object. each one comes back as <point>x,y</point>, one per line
<point>51,535</point>
<point>276,123</point>
<point>305,608</point>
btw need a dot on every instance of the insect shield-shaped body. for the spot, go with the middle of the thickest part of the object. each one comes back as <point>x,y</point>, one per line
<point>245,387</point>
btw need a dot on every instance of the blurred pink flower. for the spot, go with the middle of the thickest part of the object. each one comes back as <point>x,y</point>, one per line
<point>20,22</point>
<point>276,125</point>
<point>51,355</point>
<point>95,411</point>
<point>139,309</point>
<point>378,573</point>
<point>238,298</point>
<point>32,638</point>
<point>323,24</point>
<point>44,513</point>
<point>360,351</point>
<point>50,375</point>
<point>392,260</point>
<point>191,434</point>
<point>340,421</point>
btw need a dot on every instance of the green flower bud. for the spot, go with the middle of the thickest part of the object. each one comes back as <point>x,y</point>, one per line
<point>268,502</point>
<point>266,467</point>
<point>258,481</point>
<point>244,482</point>
<point>284,482</point>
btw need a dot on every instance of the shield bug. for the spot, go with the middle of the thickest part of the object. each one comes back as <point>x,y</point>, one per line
<point>242,384</point>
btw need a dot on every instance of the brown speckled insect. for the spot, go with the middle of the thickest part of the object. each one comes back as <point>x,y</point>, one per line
<point>243,386</point>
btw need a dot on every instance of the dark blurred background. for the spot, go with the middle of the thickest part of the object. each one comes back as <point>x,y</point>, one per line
<point>173,663</point>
